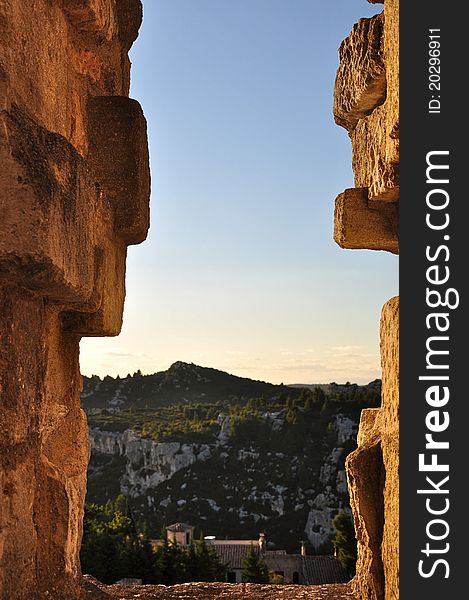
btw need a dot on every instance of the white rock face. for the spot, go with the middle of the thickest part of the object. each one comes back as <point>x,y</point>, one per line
<point>346,429</point>
<point>341,482</point>
<point>318,527</point>
<point>149,463</point>
<point>329,468</point>
<point>224,435</point>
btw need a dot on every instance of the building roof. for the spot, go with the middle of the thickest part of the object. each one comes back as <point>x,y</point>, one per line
<point>220,542</point>
<point>179,527</point>
<point>232,555</point>
<point>323,569</point>
<point>316,570</point>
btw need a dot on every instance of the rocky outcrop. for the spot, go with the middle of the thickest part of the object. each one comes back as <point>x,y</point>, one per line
<point>67,214</point>
<point>148,463</point>
<point>366,102</point>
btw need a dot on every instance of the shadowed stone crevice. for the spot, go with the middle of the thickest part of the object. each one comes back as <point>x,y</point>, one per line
<point>366,476</point>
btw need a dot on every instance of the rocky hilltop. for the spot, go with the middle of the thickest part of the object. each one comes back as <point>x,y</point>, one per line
<point>181,383</point>
<point>272,463</point>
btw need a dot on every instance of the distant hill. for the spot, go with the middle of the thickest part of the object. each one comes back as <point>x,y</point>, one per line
<point>187,383</point>
<point>333,389</point>
<point>181,383</point>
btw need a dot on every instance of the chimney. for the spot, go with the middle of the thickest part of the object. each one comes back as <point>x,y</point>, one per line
<point>262,543</point>
<point>303,548</point>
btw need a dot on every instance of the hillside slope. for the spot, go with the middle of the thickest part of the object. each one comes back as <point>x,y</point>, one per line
<point>232,465</point>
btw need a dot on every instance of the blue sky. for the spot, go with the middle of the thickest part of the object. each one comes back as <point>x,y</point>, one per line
<point>240,271</point>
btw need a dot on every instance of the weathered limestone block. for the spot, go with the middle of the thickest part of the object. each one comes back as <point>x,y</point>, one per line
<point>360,84</point>
<point>373,474</point>
<point>375,156</point>
<point>366,101</point>
<point>360,224</point>
<point>97,16</point>
<point>117,128</point>
<point>390,445</point>
<point>366,475</point>
<point>74,191</point>
<point>48,198</point>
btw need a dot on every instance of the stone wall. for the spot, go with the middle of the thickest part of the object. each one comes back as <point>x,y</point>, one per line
<point>366,103</point>
<point>67,214</point>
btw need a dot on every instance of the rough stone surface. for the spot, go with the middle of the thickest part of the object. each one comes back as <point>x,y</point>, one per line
<point>360,84</point>
<point>375,156</point>
<point>214,591</point>
<point>367,217</point>
<point>361,224</point>
<point>374,479</point>
<point>366,101</point>
<point>66,220</point>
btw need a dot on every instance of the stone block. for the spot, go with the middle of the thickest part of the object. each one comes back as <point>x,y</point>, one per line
<point>97,16</point>
<point>360,224</point>
<point>47,199</point>
<point>118,151</point>
<point>102,316</point>
<point>375,155</point>
<point>360,84</point>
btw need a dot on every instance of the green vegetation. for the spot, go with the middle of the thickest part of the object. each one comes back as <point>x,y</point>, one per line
<point>196,422</point>
<point>265,474</point>
<point>254,568</point>
<point>344,540</point>
<point>112,550</point>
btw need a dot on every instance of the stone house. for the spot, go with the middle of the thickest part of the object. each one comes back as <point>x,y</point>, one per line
<point>180,533</point>
<point>298,568</point>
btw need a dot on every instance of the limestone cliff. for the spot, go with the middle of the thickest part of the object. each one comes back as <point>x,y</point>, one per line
<point>67,214</point>
<point>366,103</point>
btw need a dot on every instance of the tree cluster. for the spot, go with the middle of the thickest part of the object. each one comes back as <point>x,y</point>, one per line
<point>112,549</point>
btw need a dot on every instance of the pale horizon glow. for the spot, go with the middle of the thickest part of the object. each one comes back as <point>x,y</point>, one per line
<point>239,271</point>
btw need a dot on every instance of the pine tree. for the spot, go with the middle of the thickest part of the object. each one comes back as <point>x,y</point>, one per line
<point>344,540</point>
<point>172,560</point>
<point>148,567</point>
<point>254,568</point>
<point>209,566</point>
<point>192,564</point>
